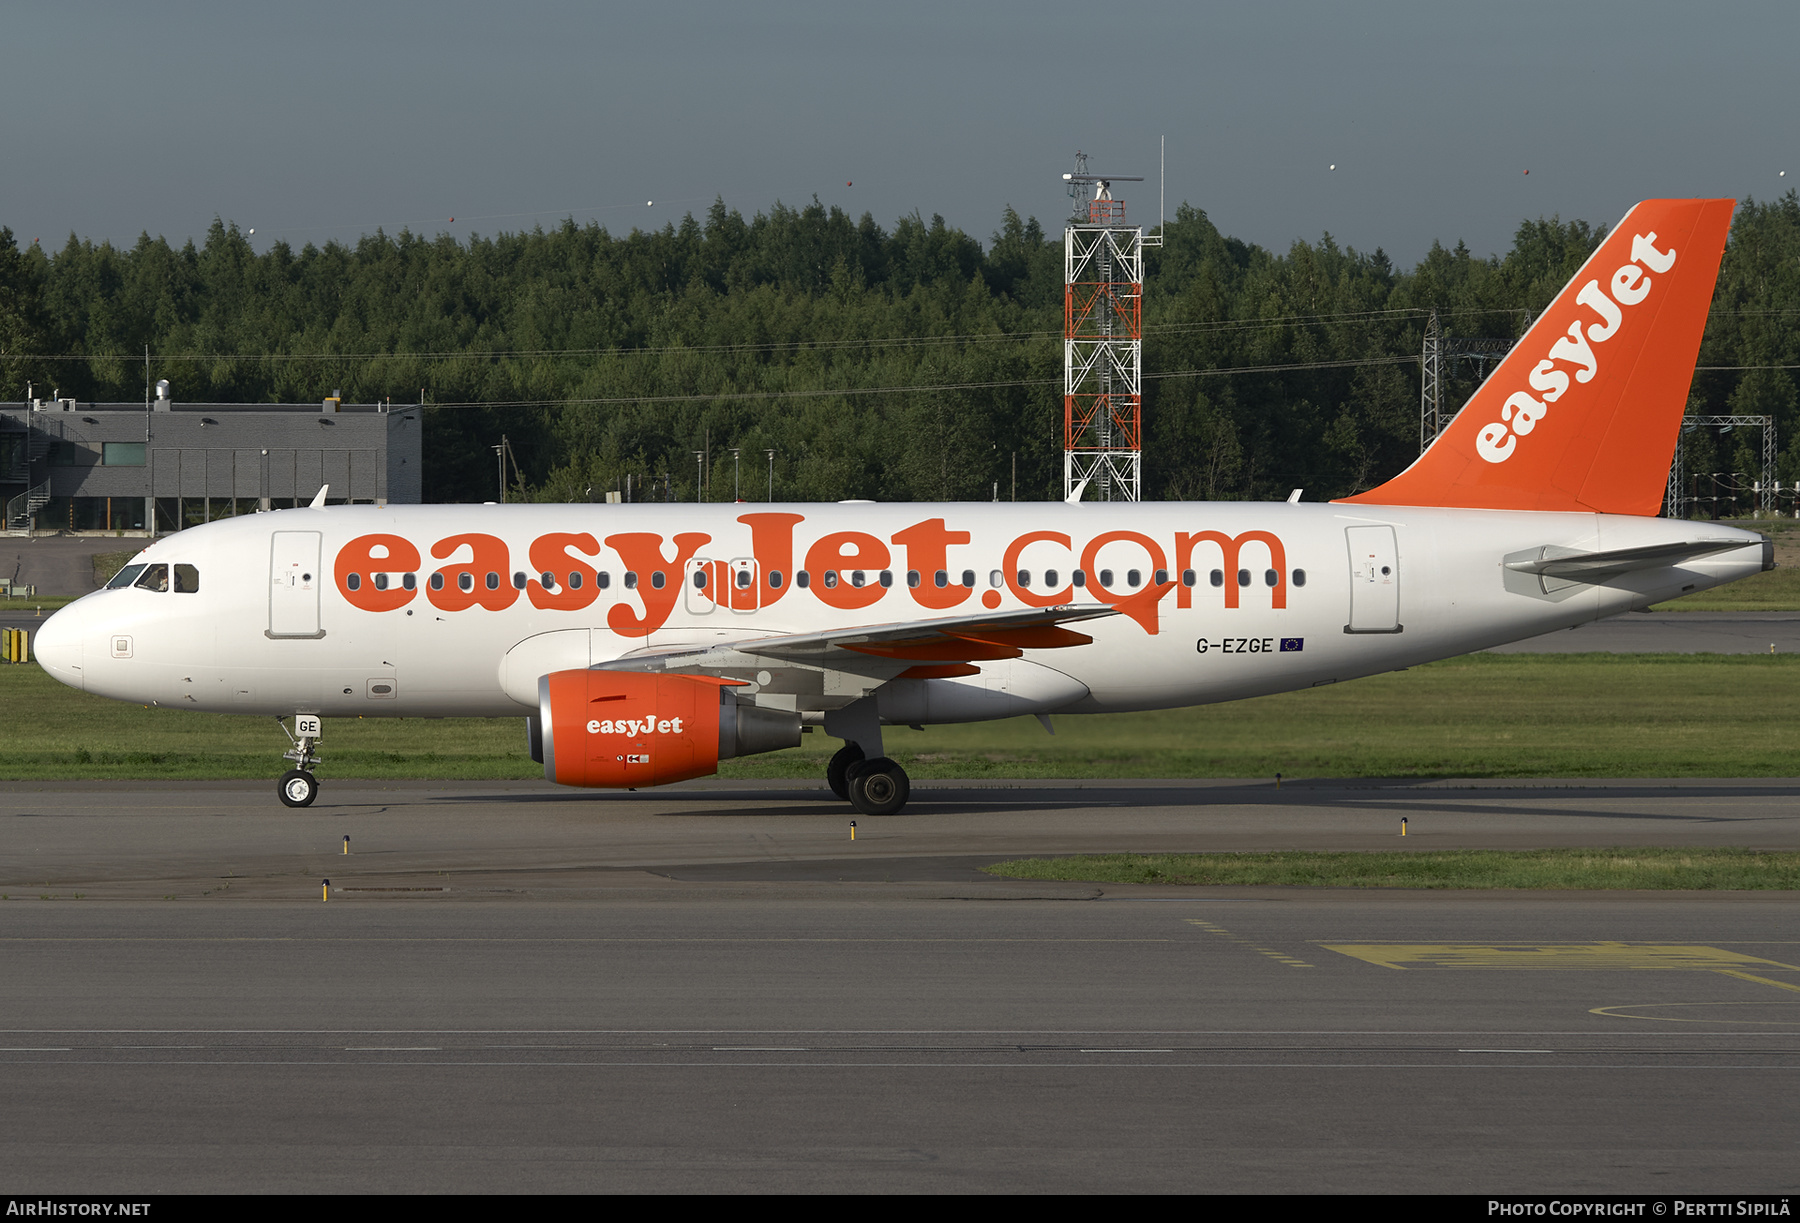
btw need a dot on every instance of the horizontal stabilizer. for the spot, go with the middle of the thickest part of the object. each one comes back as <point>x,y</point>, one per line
<point>1552,561</point>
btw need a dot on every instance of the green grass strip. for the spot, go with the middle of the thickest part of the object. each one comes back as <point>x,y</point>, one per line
<point>1550,869</point>
<point>1484,715</point>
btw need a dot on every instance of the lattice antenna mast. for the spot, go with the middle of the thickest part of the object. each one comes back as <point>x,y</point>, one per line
<point>1103,339</point>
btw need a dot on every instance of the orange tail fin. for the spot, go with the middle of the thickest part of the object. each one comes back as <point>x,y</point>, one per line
<point>1583,414</point>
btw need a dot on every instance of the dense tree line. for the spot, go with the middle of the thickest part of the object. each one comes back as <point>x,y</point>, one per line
<point>903,363</point>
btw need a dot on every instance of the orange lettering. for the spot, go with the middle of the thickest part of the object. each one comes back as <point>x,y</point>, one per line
<point>1092,551</point>
<point>488,557</point>
<point>845,551</point>
<point>1010,567</point>
<point>642,553</point>
<point>927,547</point>
<point>1228,550</point>
<point>772,544</point>
<point>367,555</point>
<point>550,554</point>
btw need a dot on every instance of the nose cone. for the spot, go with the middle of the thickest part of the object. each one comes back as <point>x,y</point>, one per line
<point>58,646</point>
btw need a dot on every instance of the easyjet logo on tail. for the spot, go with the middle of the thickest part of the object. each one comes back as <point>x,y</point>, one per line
<point>1583,413</point>
<point>1629,287</point>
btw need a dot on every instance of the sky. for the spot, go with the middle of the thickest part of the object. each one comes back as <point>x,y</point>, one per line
<point>325,121</point>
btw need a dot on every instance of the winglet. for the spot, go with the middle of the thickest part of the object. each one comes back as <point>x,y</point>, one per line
<point>1584,413</point>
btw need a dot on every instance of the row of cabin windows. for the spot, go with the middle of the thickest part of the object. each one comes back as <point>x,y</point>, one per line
<point>1134,578</point>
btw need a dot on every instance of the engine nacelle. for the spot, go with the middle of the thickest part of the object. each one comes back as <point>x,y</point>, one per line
<point>622,729</point>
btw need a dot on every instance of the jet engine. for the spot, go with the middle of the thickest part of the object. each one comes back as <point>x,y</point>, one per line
<point>622,729</point>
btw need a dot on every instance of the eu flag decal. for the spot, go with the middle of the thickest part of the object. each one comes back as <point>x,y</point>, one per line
<point>1292,645</point>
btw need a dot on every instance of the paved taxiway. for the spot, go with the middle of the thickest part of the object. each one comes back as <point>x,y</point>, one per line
<point>712,988</point>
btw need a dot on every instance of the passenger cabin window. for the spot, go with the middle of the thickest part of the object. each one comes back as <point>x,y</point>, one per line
<point>1299,577</point>
<point>1024,576</point>
<point>1134,579</point>
<point>774,579</point>
<point>1050,577</point>
<point>1216,577</point>
<point>1188,577</point>
<point>803,579</point>
<point>1079,577</point>
<point>1243,577</point>
<point>743,579</point>
<point>465,581</point>
<point>1270,577</point>
<point>831,580</point>
<point>1106,577</point>
<point>437,581</point>
<point>631,579</point>
<point>519,581</point>
<point>658,580</point>
<point>409,581</point>
<point>354,581</point>
<point>887,577</point>
<point>699,579</point>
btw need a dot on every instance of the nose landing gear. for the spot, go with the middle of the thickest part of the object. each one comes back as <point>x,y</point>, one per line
<point>298,787</point>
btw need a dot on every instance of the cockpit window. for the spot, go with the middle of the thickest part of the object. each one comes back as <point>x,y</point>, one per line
<point>187,580</point>
<point>125,576</point>
<point>154,577</point>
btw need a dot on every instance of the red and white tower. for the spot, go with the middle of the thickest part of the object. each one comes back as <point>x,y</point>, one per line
<point>1103,340</point>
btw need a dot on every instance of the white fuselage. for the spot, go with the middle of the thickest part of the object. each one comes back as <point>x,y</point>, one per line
<point>238,645</point>
<point>273,629</point>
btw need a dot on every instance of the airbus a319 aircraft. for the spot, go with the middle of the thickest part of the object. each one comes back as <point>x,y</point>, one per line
<point>643,644</point>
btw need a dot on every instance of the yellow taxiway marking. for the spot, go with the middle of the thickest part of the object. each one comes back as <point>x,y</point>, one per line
<point>1278,956</point>
<point>1560,955</point>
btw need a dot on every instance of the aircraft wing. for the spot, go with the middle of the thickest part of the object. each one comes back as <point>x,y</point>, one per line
<point>919,649</point>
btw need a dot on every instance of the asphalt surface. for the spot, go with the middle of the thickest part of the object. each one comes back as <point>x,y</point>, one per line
<point>713,988</point>
<point>59,565</point>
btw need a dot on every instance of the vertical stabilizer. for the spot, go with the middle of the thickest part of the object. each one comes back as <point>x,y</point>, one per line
<point>1584,413</point>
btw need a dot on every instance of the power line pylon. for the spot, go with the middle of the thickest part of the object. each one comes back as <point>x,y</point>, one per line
<point>1103,340</point>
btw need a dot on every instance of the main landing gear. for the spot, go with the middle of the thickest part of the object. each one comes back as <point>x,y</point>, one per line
<point>298,787</point>
<point>873,787</point>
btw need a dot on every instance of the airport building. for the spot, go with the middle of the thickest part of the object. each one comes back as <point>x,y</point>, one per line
<point>162,466</point>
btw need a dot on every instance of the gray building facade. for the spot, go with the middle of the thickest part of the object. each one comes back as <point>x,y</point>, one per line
<point>67,465</point>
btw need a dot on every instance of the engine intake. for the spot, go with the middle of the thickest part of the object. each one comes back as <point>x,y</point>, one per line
<point>622,729</point>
